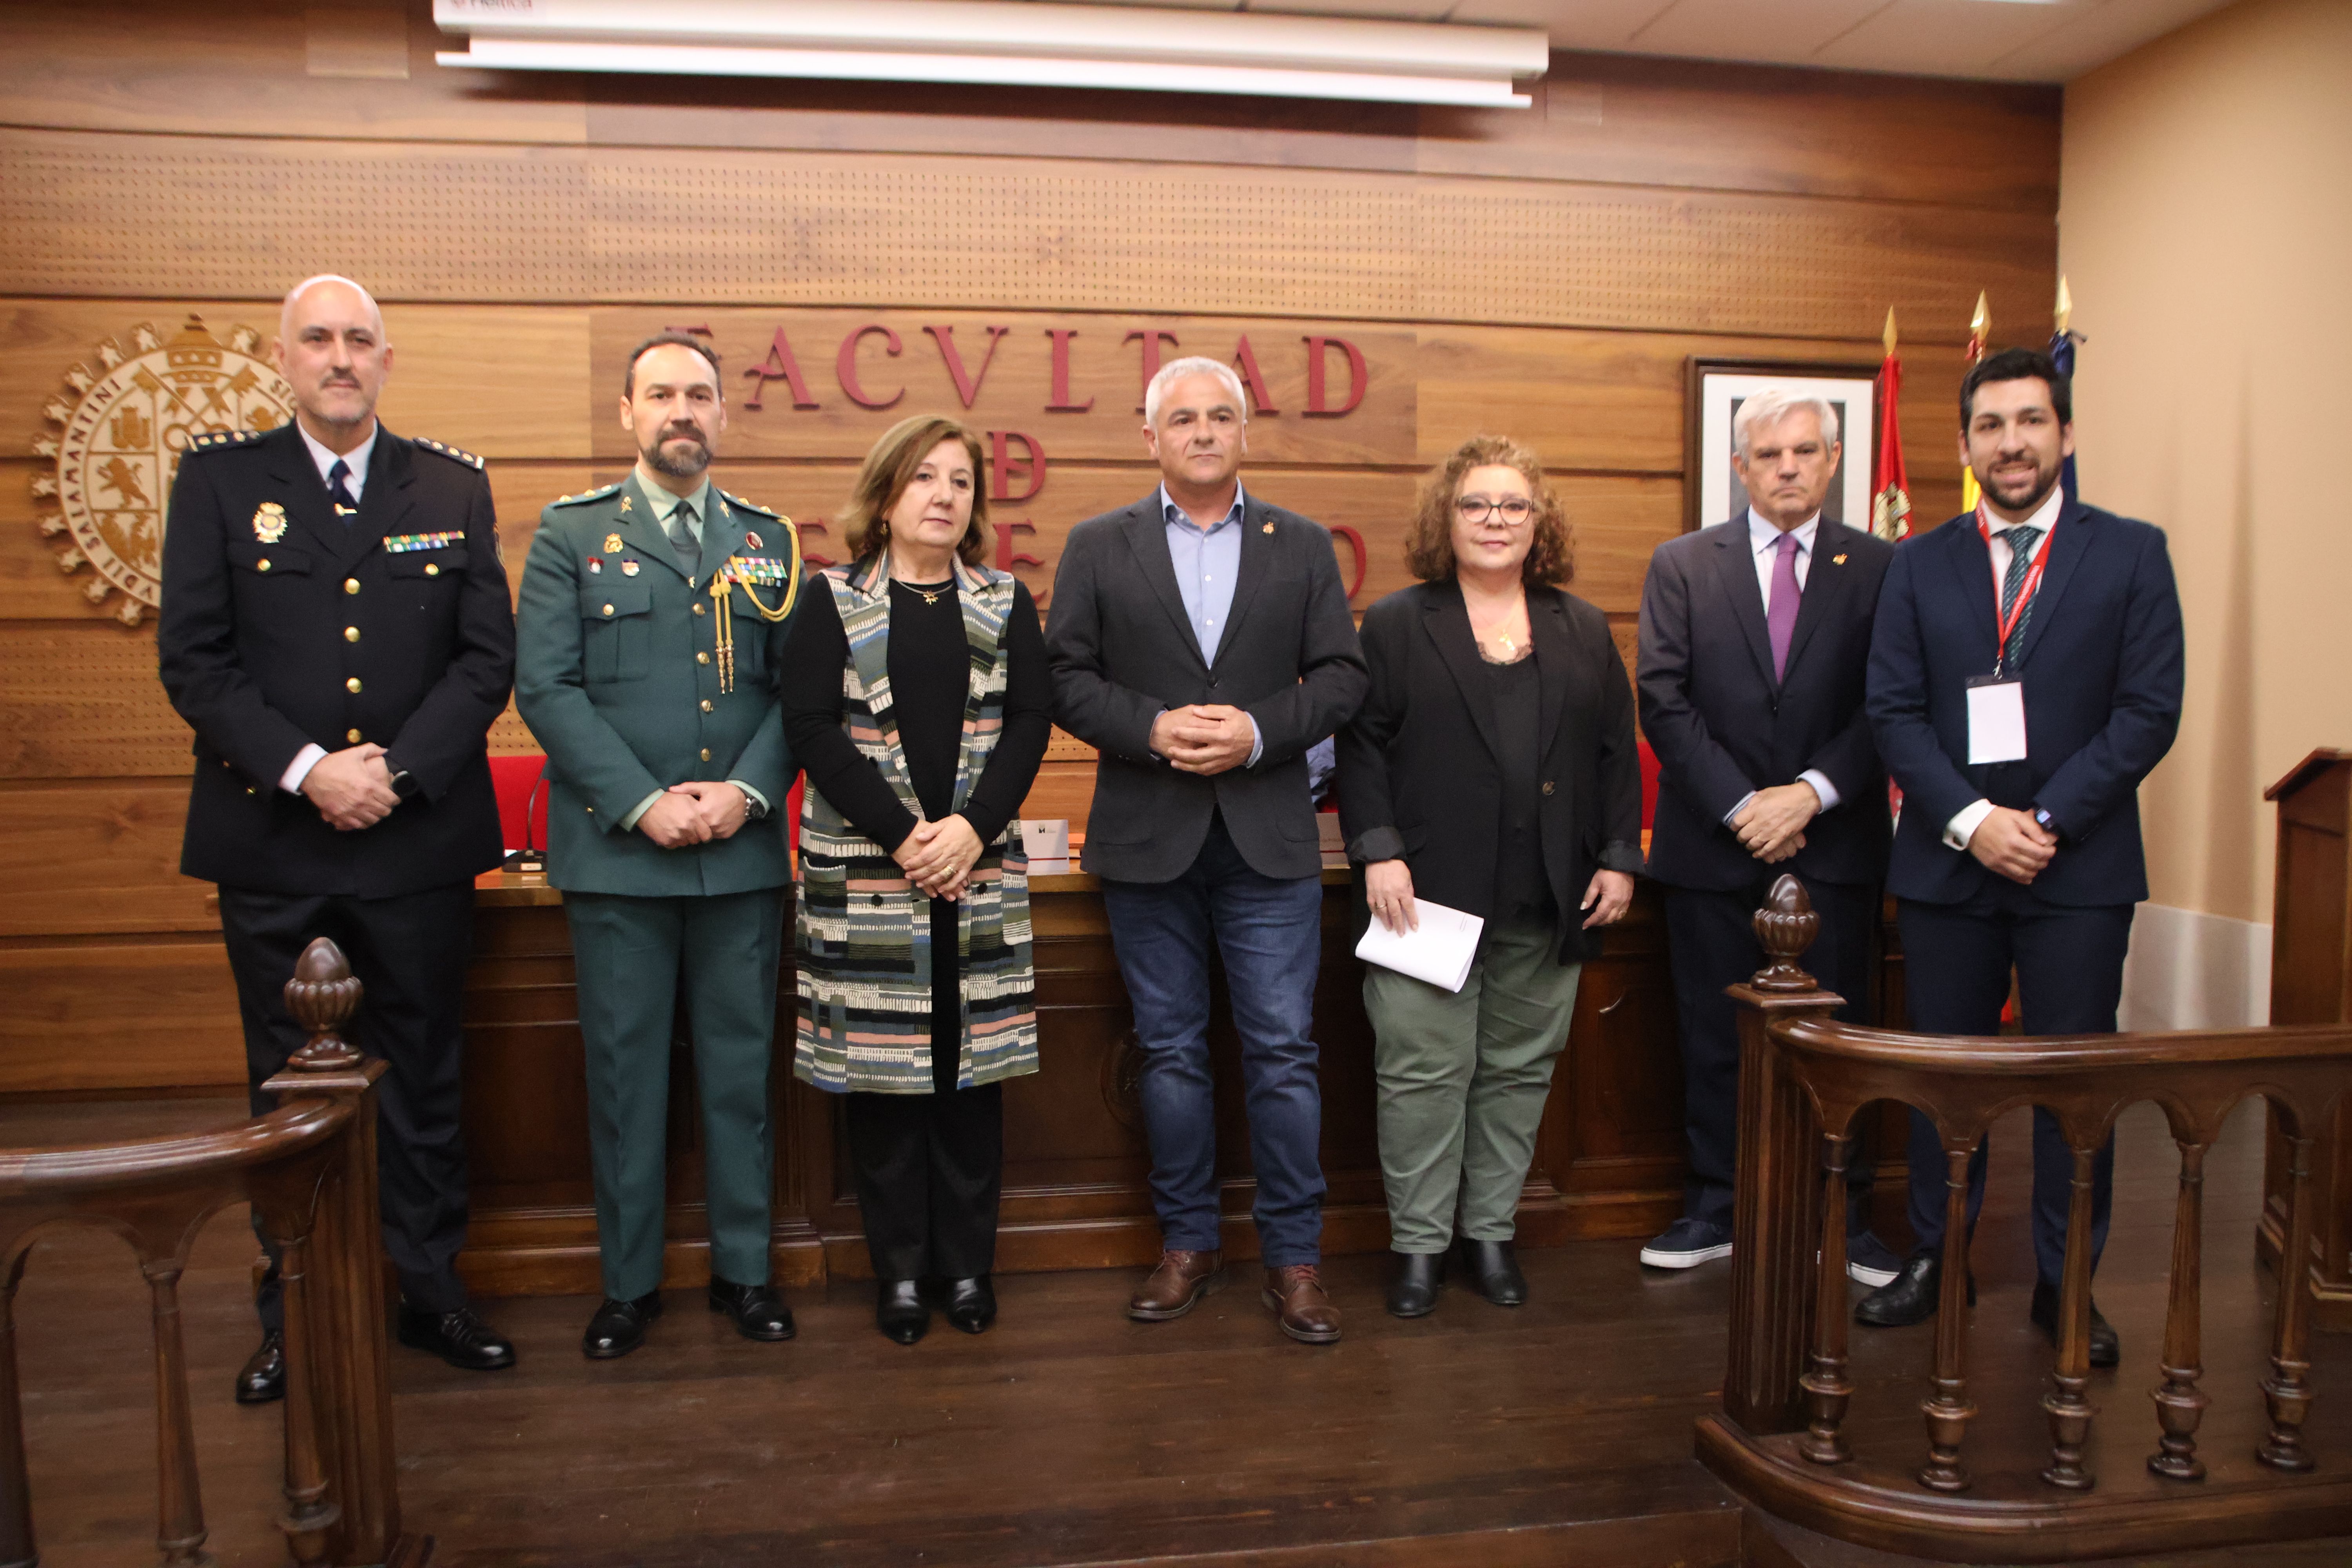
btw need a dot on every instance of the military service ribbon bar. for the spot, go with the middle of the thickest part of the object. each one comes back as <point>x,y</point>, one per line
<point>758,569</point>
<point>401,543</point>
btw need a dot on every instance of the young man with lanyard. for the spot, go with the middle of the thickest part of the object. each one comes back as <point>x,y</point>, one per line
<point>2025,676</point>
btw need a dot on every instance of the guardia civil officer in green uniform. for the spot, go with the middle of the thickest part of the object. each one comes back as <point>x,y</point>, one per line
<point>652,617</point>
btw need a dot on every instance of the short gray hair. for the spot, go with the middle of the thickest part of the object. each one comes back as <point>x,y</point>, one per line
<point>1774,404</point>
<point>1177,370</point>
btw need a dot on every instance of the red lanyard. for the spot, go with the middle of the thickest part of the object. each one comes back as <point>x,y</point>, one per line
<point>2032,585</point>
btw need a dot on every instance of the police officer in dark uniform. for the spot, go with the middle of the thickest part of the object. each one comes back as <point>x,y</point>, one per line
<point>335,628</point>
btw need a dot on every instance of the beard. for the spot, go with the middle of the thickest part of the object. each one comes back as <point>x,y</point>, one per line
<point>2020,494</point>
<point>683,464</point>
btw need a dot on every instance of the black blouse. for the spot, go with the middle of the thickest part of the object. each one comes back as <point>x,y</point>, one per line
<point>931,678</point>
<point>1521,888</point>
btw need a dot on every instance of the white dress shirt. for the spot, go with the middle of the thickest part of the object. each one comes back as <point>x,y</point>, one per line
<point>357,457</point>
<point>1764,540</point>
<point>1969,818</point>
<point>357,461</point>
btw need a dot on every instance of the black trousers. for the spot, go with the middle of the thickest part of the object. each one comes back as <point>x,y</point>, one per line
<point>930,1167</point>
<point>1711,943</point>
<point>2069,979</point>
<point>410,953</point>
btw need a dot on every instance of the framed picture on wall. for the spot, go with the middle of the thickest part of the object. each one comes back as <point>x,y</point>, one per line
<point>1712,492</point>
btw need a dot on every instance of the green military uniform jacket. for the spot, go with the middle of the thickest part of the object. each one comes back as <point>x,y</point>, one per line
<point>618,673</point>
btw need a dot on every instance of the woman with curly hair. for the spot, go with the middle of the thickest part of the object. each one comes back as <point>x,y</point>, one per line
<point>1491,770</point>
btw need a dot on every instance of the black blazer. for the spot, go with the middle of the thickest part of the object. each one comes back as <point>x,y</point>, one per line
<point>1418,776</point>
<point>2102,658</point>
<point>1721,726</point>
<point>256,650</point>
<point>1122,651</point>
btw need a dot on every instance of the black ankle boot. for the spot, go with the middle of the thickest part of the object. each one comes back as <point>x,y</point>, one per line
<point>1413,1288</point>
<point>1495,1272</point>
<point>899,1312</point>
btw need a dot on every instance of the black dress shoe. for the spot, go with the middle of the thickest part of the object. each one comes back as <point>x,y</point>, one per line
<point>971,1304</point>
<point>2107,1349</point>
<point>1911,1297</point>
<point>760,1313</point>
<point>619,1327</point>
<point>264,1376</point>
<point>1413,1288</point>
<point>899,1312</point>
<point>460,1338</point>
<point>1495,1271</point>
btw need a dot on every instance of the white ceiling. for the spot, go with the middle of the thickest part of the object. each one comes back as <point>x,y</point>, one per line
<point>2004,40</point>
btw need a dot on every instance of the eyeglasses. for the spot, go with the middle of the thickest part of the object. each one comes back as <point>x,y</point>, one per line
<point>1516,510</point>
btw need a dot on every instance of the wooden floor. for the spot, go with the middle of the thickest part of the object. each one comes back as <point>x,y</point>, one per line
<point>1558,1433</point>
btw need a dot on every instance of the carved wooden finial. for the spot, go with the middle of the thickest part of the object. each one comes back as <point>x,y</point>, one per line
<point>1785,928</point>
<point>322,996</point>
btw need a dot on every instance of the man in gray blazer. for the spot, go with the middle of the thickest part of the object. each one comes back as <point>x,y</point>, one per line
<point>1201,640</point>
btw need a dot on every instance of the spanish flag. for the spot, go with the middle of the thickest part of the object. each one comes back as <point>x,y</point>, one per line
<point>1979,336</point>
<point>1890,489</point>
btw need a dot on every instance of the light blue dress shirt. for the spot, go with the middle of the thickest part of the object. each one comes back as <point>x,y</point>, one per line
<point>1208,563</point>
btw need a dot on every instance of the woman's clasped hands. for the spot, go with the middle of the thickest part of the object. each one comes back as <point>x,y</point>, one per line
<point>938,856</point>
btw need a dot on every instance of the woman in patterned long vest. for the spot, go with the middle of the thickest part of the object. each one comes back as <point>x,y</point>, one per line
<point>918,698</point>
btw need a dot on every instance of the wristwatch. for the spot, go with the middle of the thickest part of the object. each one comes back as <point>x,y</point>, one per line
<point>2047,823</point>
<point>404,785</point>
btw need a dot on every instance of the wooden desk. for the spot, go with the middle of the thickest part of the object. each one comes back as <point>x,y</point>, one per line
<point>1608,1161</point>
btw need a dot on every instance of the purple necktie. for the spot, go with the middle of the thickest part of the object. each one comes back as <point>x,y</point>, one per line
<point>1781,613</point>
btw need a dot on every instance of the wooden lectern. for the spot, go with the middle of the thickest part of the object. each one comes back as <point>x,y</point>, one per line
<point>2311,982</point>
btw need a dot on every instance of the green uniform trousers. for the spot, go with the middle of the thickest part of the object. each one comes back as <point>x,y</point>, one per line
<point>1463,1080</point>
<point>628,951</point>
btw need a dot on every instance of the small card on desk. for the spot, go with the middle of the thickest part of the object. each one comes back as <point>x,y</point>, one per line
<point>1440,953</point>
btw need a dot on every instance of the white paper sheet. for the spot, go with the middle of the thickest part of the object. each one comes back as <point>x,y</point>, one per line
<point>1440,953</point>
<point>1997,722</point>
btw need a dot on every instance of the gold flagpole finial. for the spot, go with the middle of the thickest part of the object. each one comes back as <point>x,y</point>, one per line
<point>1889,336</point>
<point>2064,313</point>
<point>1980,329</point>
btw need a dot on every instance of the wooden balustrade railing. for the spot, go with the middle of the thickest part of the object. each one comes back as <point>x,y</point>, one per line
<point>1780,1441</point>
<point>309,1170</point>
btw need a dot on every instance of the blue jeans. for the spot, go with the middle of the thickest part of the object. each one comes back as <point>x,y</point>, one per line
<point>1269,933</point>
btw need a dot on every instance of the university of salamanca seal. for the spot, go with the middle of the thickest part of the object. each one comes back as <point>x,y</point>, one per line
<point>123,427</point>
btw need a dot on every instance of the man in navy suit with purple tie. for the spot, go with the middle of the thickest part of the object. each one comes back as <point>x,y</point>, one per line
<point>2025,676</point>
<point>1755,641</point>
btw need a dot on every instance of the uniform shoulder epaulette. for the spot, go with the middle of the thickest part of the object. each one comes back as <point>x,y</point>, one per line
<point>599,493</point>
<point>753,506</point>
<point>214,440</point>
<point>454,454</point>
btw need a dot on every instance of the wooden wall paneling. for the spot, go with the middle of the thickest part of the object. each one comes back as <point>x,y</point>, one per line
<point>81,700</point>
<point>166,66</point>
<point>1627,120</point>
<point>1604,118</point>
<point>100,857</point>
<point>104,1015</point>
<point>1614,402</point>
<point>1017,389</point>
<point>507,381</point>
<point>32,587</point>
<point>102,214</point>
<point>956,120</point>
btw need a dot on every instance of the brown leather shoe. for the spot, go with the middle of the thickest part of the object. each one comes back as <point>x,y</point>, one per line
<point>1296,1294</point>
<point>1176,1287</point>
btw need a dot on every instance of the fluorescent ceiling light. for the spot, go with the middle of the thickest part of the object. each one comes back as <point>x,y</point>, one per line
<point>1005,44</point>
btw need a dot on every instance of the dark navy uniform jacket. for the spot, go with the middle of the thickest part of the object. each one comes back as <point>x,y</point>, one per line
<point>283,626</point>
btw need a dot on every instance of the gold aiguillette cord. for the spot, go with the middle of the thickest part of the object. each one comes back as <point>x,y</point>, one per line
<point>723,584</point>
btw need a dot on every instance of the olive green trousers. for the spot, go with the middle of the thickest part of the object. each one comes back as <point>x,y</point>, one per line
<point>1463,1078</point>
